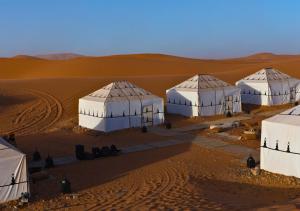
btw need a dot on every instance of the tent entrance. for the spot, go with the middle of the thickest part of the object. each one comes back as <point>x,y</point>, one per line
<point>292,94</point>
<point>147,115</point>
<point>229,104</point>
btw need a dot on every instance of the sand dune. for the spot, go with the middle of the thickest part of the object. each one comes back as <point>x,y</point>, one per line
<point>143,65</point>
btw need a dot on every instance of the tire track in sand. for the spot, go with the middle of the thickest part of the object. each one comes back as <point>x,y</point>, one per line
<point>38,117</point>
<point>142,193</point>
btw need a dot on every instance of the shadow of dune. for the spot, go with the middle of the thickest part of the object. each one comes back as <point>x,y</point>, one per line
<point>9,100</point>
<point>242,196</point>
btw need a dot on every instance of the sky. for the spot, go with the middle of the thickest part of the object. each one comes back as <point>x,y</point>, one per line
<point>190,28</point>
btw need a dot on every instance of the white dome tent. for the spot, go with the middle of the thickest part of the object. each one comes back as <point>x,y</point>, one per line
<point>120,105</point>
<point>203,95</point>
<point>13,173</point>
<point>280,145</point>
<point>269,87</point>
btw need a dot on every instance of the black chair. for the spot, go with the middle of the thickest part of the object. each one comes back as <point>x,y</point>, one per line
<point>114,150</point>
<point>49,163</point>
<point>105,151</point>
<point>168,125</point>
<point>36,156</point>
<point>79,152</point>
<point>96,152</point>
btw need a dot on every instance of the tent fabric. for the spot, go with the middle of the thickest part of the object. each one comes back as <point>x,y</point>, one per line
<point>280,145</point>
<point>120,105</point>
<point>269,87</point>
<point>12,163</point>
<point>203,95</point>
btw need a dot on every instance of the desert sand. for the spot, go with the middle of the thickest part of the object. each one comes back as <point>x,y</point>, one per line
<point>38,102</point>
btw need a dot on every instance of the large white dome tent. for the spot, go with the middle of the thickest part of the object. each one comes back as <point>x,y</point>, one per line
<point>203,95</point>
<point>269,87</point>
<point>13,173</point>
<point>280,145</point>
<point>120,105</point>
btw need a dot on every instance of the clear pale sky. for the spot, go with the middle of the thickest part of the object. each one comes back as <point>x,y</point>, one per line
<point>192,28</point>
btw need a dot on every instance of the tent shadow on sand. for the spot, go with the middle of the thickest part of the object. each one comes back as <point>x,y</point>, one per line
<point>92,173</point>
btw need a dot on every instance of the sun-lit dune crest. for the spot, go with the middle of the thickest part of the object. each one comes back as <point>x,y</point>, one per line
<point>271,56</point>
<point>23,56</point>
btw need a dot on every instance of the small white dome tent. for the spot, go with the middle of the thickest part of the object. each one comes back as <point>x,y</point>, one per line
<point>269,87</point>
<point>280,145</point>
<point>13,173</point>
<point>203,95</point>
<point>120,105</point>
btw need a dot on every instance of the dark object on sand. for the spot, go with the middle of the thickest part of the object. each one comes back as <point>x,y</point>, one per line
<point>36,156</point>
<point>11,137</point>
<point>144,129</point>
<point>96,152</point>
<point>251,162</point>
<point>79,152</point>
<point>105,151</point>
<point>168,125</point>
<point>228,114</point>
<point>49,163</point>
<point>65,186</point>
<point>296,103</point>
<point>114,150</point>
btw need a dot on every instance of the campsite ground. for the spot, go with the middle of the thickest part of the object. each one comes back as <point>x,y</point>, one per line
<point>38,102</point>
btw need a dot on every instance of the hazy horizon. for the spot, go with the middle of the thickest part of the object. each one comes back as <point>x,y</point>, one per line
<point>188,57</point>
<point>195,29</point>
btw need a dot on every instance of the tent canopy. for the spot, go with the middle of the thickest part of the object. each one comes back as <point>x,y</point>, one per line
<point>120,105</point>
<point>119,91</point>
<point>266,75</point>
<point>200,82</point>
<point>203,95</point>
<point>269,87</point>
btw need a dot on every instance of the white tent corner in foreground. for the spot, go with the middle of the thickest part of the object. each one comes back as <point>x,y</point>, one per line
<point>13,173</point>
<point>280,144</point>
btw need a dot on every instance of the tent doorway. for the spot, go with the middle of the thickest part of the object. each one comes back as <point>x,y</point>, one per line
<point>147,115</point>
<point>229,104</point>
<point>292,94</point>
